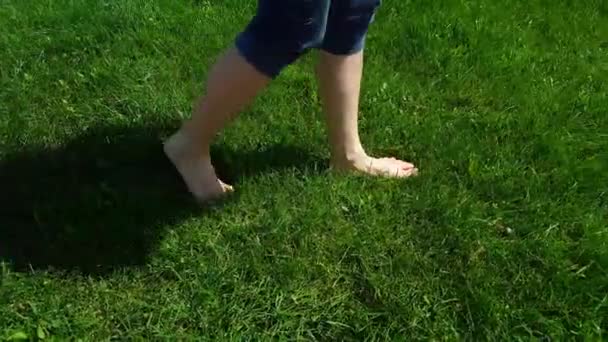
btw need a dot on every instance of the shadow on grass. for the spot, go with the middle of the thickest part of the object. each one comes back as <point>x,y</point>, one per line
<point>100,202</point>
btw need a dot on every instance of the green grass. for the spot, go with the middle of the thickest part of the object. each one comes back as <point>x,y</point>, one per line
<point>504,235</point>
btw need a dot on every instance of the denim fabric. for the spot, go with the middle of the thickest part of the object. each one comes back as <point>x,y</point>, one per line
<point>283,30</point>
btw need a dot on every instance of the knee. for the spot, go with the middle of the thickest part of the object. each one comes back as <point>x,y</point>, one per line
<point>360,7</point>
<point>274,40</point>
<point>311,36</point>
<point>348,25</point>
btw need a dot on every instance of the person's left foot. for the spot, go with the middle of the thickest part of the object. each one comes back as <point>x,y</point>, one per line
<point>385,167</point>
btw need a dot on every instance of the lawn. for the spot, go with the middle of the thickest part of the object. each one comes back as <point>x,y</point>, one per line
<point>504,235</point>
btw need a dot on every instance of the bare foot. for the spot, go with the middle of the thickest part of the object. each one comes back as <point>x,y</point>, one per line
<point>385,167</point>
<point>196,170</point>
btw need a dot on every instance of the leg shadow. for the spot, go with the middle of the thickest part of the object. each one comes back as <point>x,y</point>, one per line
<point>100,202</point>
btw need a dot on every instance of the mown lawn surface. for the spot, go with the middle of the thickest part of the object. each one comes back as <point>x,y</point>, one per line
<point>502,104</point>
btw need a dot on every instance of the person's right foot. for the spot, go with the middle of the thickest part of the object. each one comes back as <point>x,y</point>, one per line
<point>196,169</point>
<point>384,167</point>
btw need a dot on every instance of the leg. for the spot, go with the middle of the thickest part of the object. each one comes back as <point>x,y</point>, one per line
<point>188,149</point>
<point>280,33</point>
<point>339,73</point>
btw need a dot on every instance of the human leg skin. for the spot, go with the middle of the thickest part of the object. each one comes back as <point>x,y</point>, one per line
<point>188,149</point>
<point>278,35</point>
<point>339,72</point>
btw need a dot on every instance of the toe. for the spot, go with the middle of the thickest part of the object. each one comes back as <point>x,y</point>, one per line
<point>227,187</point>
<point>402,164</point>
<point>404,173</point>
<point>406,165</point>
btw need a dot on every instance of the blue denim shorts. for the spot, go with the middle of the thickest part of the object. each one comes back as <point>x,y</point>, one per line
<point>283,30</point>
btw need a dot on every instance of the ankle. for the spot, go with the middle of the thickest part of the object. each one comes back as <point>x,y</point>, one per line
<point>348,157</point>
<point>187,145</point>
